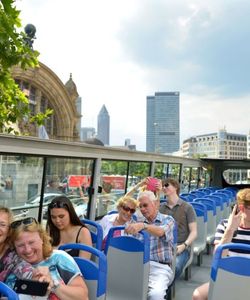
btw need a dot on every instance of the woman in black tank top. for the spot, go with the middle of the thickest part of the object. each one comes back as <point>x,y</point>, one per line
<point>64,226</point>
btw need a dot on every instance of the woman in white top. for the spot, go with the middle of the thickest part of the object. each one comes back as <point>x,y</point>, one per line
<point>126,207</point>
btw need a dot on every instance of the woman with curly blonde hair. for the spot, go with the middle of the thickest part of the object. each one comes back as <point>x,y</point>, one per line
<point>32,243</point>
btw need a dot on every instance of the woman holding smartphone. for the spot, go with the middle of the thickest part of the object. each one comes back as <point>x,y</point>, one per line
<point>235,229</point>
<point>32,243</point>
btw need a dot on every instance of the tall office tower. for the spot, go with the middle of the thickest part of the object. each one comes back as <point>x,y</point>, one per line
<point>163,125</point>
<point>103,125</point>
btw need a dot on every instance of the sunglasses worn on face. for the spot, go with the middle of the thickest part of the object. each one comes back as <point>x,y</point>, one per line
<point>166,185</point>
<point>26,222</point>
<point>57,204</point>
<point>128,209</point>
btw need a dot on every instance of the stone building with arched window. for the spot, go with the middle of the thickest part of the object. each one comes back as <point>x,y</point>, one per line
<point>45,90</point>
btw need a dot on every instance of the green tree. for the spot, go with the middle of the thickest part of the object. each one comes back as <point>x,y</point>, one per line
<point>14,50</point>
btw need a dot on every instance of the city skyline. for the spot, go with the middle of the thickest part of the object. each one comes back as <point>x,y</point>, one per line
<point>121,51</point>
<point>163,122</point>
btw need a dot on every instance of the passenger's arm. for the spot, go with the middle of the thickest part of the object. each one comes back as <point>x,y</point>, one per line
<point>85,238</point>
<point>232,225</point>
<point>134,228</point>
<point>135,188</point>
<point>75,290</point>
<point>191,237</point>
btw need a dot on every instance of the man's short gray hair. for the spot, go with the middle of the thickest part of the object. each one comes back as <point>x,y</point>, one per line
<point>150,195</point>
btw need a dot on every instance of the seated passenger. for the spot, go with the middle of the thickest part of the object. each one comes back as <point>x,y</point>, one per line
<point>235,229</point>
<point>126,207</point>
<point>160,227</point>
<point>10,263</point>
<point>32,243</point>
<point>65,227</point>
<point>185,217</point>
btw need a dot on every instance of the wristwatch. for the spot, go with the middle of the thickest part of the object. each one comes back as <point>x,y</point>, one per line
<point>145,226</point>
<point>186,245</point>
<point>56,284</point>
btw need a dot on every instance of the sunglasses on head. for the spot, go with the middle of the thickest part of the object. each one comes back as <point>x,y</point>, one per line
<point>57,204</point>
<point>26,222</point>
<point>128,209</point>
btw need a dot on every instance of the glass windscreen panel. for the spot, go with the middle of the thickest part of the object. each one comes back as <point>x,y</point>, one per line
<point>174,171</point>
<point>69,177</point>
<point>161,170</point>
<point>237,176</point>
<point>194,179</point>
<point>112,185</point>
<point>185,183</point>
<point>205,178</point>
<point>20,181</point>
<point>137,172</point>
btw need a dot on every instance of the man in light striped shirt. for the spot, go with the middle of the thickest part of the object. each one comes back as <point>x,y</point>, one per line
<point>235,229</point>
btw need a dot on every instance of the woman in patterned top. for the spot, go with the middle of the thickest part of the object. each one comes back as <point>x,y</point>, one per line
<point>59,269</point>
<point>235,229</point>
<point>10,263</point>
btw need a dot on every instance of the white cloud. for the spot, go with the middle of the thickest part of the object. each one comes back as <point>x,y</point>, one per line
<point>121,51</point>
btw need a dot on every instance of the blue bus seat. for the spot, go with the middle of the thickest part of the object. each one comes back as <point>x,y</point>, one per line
<point>94,273</point>
<point>230,275</point>
<point>219,206</point>
<point>96,232</point>
<point>211,219</point>
<point>199,245</point>
<point>7,292</point>
<point>128,265</point>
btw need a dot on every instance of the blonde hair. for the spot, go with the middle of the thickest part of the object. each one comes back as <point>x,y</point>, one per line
<point>243,196</point>
<point>8,212</point>
<point>33,227</point>
<point>126,199</point>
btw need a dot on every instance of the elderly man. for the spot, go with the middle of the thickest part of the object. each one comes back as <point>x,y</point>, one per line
<point>160,227</point>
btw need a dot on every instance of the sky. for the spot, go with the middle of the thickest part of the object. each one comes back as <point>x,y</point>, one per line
<point>121,51</point>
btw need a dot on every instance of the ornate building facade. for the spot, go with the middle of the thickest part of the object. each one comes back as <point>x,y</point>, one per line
<point>45,90</point>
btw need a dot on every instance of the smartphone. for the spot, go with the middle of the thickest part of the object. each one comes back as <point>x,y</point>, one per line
<point>238,208</point>
<point>31,287</point>
<point>151,185</point>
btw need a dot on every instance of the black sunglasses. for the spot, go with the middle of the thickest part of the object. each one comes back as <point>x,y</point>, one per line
<point>166,184</point>
<point>57,204</point>
<point>128,209</point>
<point>26,222</point>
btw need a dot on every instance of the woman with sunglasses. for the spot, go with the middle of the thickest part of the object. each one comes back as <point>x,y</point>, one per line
<point>32,243</point>
<point>64,226</point>
<point>126,207</point>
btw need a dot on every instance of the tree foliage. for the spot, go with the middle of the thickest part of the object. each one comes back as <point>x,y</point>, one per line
<point>14,50</point>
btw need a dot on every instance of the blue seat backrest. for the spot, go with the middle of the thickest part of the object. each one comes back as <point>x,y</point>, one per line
<point>132,244</point>
<point>7,292</point>
<point>96,232</point>
<point>200,209</point>
<point>209,203</point>
<point>236,264</point>
<point>91,271</point>
<point>217,199</point>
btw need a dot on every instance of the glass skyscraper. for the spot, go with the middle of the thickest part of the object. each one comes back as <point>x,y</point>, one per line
<point>163,122</point>
<point>103,125</point>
